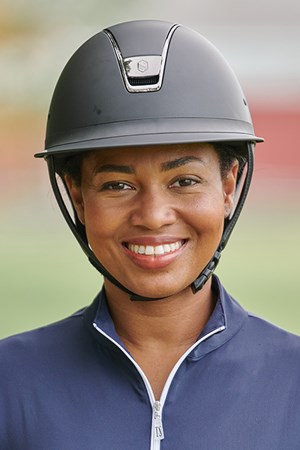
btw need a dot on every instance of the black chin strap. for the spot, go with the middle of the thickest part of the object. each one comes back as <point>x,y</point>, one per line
<point>76,227</point>
<point>79,231</point>
<point>230,223</point>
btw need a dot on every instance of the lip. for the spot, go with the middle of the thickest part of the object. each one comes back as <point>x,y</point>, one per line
<point>153,240</point>
<point>156,260</point>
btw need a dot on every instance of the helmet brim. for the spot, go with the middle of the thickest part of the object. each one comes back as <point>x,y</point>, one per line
<point>150,132</point>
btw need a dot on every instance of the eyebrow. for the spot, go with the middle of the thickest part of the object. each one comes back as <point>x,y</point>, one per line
<point>165,166</point>
<point>173,164</point>
<point>113,168</point>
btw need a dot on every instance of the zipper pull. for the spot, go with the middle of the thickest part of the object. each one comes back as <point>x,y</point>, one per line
<point>157,427</point>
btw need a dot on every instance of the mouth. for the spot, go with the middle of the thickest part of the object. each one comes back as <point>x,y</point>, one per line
<point>155,250</point>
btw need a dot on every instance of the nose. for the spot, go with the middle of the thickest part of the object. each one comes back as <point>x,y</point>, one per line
<point>153,209</point>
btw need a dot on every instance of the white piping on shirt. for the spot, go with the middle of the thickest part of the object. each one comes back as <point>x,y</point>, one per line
<point>157,433</point>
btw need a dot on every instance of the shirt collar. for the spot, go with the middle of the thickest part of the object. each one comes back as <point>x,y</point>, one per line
<point>228,317</point>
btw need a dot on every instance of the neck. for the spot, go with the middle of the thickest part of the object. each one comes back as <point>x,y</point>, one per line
<point>157,333</point>
<point>173,321</point>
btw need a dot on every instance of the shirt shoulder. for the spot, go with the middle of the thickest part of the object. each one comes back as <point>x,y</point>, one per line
<point>266,330</point>
<point>29,350</point>
<point>264,344</point>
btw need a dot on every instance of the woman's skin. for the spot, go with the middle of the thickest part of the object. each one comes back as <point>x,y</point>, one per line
<point>154,217</point>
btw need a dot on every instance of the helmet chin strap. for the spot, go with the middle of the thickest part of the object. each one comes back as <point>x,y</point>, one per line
<point>229,223</point>
<point>79,230</point>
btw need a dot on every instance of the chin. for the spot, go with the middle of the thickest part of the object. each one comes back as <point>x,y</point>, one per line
<point>161,292</point>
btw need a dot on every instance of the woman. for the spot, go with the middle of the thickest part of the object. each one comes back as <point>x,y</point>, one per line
<point>151,134</point>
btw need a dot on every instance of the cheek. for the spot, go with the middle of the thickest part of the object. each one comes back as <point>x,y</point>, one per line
<point>101,223</point>
<point>96,218</point>
<point>207,214</point>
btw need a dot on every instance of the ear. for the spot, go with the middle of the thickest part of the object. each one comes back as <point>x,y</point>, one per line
<point>76,197</point>
<point>229,185</point>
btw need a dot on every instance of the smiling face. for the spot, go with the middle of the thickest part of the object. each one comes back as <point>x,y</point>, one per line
<point>154,215</point>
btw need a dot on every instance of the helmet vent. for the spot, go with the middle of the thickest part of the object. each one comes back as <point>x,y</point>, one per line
<point>143,81</point>
<point>143,73</point>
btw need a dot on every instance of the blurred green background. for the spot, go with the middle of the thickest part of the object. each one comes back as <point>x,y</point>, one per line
<point>44,274</point>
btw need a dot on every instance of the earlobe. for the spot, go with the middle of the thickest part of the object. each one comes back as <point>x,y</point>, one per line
<point>76,197</point>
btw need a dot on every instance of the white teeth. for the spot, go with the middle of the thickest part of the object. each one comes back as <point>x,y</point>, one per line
<point>149,250</point>
<point>155,250</point>
<point>159,250</point>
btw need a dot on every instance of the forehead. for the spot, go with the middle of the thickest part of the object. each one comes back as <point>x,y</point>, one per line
<point>152,153</point>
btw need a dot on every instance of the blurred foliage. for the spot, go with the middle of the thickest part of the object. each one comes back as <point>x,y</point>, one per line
<point>36,40</point>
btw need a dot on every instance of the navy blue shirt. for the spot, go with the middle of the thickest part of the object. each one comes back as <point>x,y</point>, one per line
<point>72,385</point>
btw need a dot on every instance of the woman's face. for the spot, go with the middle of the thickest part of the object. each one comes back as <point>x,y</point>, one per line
<point>154,215</point>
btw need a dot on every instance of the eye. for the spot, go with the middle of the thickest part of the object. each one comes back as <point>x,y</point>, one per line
<point>184,182</point>
<point>116,186</point>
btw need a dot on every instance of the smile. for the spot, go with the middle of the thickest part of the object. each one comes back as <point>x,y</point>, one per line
<point>155,250</point>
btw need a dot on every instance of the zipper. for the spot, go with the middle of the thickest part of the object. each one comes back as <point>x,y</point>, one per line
<point>157,431</point>
<point>157,434</point>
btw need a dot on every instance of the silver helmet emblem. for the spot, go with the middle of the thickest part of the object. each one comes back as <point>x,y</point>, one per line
<point>142,73</point>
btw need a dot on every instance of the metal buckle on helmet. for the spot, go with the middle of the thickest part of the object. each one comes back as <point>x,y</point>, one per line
<point>142,73</point>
